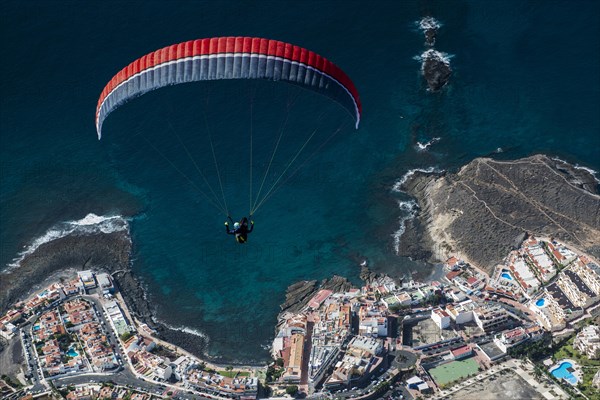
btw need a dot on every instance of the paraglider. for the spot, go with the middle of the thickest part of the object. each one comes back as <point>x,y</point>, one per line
<point>231,58</point>
<point>240,229</point>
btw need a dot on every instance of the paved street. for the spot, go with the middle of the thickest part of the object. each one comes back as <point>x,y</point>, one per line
<point>31,359</point>
<point>126,378</point>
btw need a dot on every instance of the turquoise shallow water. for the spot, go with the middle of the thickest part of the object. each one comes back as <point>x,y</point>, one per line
<point>519,84</point>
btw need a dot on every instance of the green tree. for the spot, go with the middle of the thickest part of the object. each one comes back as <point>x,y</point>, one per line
<point>291,390</point>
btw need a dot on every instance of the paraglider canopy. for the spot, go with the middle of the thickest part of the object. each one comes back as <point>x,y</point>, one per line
<point>228,58</point>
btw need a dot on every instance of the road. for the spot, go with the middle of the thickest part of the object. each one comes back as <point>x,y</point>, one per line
<point>28,349</point>
<point>128,379</point>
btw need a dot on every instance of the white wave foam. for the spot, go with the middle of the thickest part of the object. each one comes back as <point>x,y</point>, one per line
<point>424,146</point>
<point>397,186</point>
<point>89,224</point>
<point>559,159</point>
<point>499,150</point>
<point>186,329</point>
<point>409,211</point>
<point>428,23</point>
<point>592,172</point>
<point>432,54</point>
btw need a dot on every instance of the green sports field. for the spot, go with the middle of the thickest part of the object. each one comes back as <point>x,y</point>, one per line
<point>454,370</point>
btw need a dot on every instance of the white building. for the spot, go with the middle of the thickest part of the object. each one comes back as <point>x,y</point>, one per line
<point>371,345</point>
<point>510,338</point>
<point>116,317</point>
<point>417,383</point>
<point>489,318</point>
<point>373,326</point>
<point>104,282</point>
<point>588,341</point>
<point>525,276</point>
<point>542,261</point>
<point>441,318</point>
<point>461,313</point>
<point>87,279</point>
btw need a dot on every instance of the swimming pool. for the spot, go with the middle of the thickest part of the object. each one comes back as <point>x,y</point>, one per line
<point>72,352</point>
<point>541,302</point>
<point>506,275</point>
<point>36,327</point>
<point>562,372</point>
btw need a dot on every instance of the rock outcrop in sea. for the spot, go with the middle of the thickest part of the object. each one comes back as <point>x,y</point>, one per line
<point>436,69</point>
<point>486,209</point>
<point>435,65</point>
<point>429,26</point>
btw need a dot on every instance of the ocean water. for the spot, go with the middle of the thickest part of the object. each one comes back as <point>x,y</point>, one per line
<point>526,80</point>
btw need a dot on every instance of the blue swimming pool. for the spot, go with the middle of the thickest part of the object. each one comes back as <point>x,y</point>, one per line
<point>36,327</point>
<point>72,352</point>
<point>506,275</point>
<point>540,302</point>
<point>562,372</point>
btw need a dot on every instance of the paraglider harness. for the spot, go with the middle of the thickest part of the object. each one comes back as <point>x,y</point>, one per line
<point>242,231</point>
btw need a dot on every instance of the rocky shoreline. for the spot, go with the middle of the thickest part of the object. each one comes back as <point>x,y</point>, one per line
<point>299,294</point>
<point>102,251</point>
<point>109,252</point>
<point>488,207</point>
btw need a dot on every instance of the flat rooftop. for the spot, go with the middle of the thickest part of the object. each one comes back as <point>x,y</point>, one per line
<point>560,296</point>
<point>579,283</point>
<point>491,350</point>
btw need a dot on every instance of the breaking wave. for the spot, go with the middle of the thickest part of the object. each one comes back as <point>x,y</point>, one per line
<point>432,54</point>
<point>408,208</point>
<point>428,23</point>
<point>186,329</point>
<point>423,146</point>
<point>409,211</point>
<point>88,225</point>
<point>592,172</point>
<point>397,186</point>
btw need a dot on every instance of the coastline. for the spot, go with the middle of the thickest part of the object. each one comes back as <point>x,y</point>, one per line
<point>464,214</point>
<point>425,238</point>
<point>101,252</point>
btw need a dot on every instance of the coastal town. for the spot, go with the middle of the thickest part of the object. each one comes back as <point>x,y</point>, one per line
<point>530,328</point>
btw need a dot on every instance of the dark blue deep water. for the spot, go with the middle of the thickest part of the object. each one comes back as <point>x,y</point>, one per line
<point>526,80</point>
